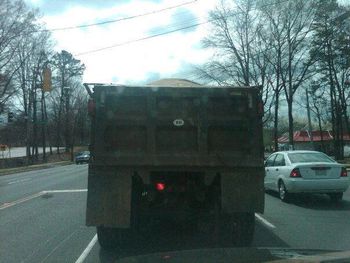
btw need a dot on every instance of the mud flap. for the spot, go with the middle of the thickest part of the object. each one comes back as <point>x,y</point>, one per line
<point>109,198</point>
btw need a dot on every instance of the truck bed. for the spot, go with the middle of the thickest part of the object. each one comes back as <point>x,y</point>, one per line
<point>177,126</point>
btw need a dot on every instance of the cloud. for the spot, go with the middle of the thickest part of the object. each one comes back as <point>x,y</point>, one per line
<point>54,7</point>
<point>182,17</point>
<point>151,76</point>
<point>114,79</point>
<point>134,62</point>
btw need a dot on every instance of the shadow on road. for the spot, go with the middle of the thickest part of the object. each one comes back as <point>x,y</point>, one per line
<point>316,202</point>
<point>170,237</point>
<point>321,202</point>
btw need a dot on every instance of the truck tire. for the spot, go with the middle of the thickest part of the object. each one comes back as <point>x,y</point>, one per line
<point>111,238</point>
<point>235,229</point>
<point>243,229</point>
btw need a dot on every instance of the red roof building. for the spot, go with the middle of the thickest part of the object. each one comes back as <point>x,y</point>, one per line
<point>305,136</point>
<point>302,141</point>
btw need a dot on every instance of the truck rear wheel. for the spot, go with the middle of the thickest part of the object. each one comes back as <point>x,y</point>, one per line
<point>243,229</point>
<point>110,238</point>
<point>235,230</point>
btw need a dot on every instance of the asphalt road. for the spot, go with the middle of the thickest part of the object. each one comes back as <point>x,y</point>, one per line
<point>42,219</point>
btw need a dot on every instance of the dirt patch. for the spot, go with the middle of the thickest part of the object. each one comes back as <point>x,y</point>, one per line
<point>24,161</point>
<point>33,167</point>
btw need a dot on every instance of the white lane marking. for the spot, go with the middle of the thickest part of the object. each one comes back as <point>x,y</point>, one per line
<point>65,191</point>
<point>264,221</point>
<point>87,250</point>
<point>7,205</point>
<point>59,244</point>
<point>20,181</point>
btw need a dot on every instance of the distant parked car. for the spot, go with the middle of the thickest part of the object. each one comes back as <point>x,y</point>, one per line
<point>82,157</point>
<point>292,172</point>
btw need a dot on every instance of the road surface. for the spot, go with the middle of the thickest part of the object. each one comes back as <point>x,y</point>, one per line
<point>42,216</point>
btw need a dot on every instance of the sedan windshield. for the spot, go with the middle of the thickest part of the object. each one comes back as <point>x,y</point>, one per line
<point>309,158</point>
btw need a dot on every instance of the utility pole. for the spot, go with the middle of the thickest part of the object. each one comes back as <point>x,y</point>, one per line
<point>67,130</point>
<point>68,133</point>
<point>309,119</point>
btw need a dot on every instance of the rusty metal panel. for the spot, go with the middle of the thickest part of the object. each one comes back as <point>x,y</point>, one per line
<point>126,139</point>
<point>145,126</point>
<point>216,161</point>
<point>243,190</point>
<point>229,138</point>
<point>109,198</point>
<point>176,140</point>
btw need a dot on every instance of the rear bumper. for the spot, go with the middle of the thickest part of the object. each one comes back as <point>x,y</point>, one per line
<point>300,185</point>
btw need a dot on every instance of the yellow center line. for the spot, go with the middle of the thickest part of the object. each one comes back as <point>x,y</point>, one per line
<point>7,205</point>
<point>27,198</point>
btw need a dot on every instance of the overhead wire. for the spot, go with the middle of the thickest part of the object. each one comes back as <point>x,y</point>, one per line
<point>117,20</point>
<point>140,39</point>
<point>162,33</point>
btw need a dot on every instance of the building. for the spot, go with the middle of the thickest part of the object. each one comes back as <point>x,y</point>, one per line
<point>321,141</point>
<point>174,82</point>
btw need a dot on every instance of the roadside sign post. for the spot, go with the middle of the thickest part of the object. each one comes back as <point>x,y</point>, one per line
<point>3,149</point>
<point>47,84</point>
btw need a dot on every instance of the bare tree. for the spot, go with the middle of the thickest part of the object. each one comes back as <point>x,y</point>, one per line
<point>296,23</point>
<point>272,35</point>
<point>331,51</point>
<point>240,55</point>
<point>15,20</point>
<point>67,69</point>
<point>78,110</point>
<point>30,58</point>
<point>262,43</point>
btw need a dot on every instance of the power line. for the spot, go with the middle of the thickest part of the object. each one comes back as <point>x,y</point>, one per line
<point>140,39</point>
<point>116,20</point>
<point>162,34</point>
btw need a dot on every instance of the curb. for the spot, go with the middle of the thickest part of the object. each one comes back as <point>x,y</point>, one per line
<point>8,171</point>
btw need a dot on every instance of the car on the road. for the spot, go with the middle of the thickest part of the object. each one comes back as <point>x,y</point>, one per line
<point>293,172</point>
<point>82,157</point>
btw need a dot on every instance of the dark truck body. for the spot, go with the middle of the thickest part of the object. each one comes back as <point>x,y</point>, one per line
<point>173,151</point>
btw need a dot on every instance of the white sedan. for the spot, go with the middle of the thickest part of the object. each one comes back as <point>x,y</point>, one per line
<point>291,172</point>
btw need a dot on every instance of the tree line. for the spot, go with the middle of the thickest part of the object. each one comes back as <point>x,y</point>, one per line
<point>53,118</point>
<point>291,48</point>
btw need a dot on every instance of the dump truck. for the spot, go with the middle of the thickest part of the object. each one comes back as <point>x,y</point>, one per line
<point>179,153</point>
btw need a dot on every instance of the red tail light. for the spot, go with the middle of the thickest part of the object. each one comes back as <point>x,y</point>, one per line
<point>91,107</point>
<point>295,173</point>
<point>344,172</point>
<point>160,186</point>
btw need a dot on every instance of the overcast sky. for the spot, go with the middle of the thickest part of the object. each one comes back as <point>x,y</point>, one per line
<point>170,55</point>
